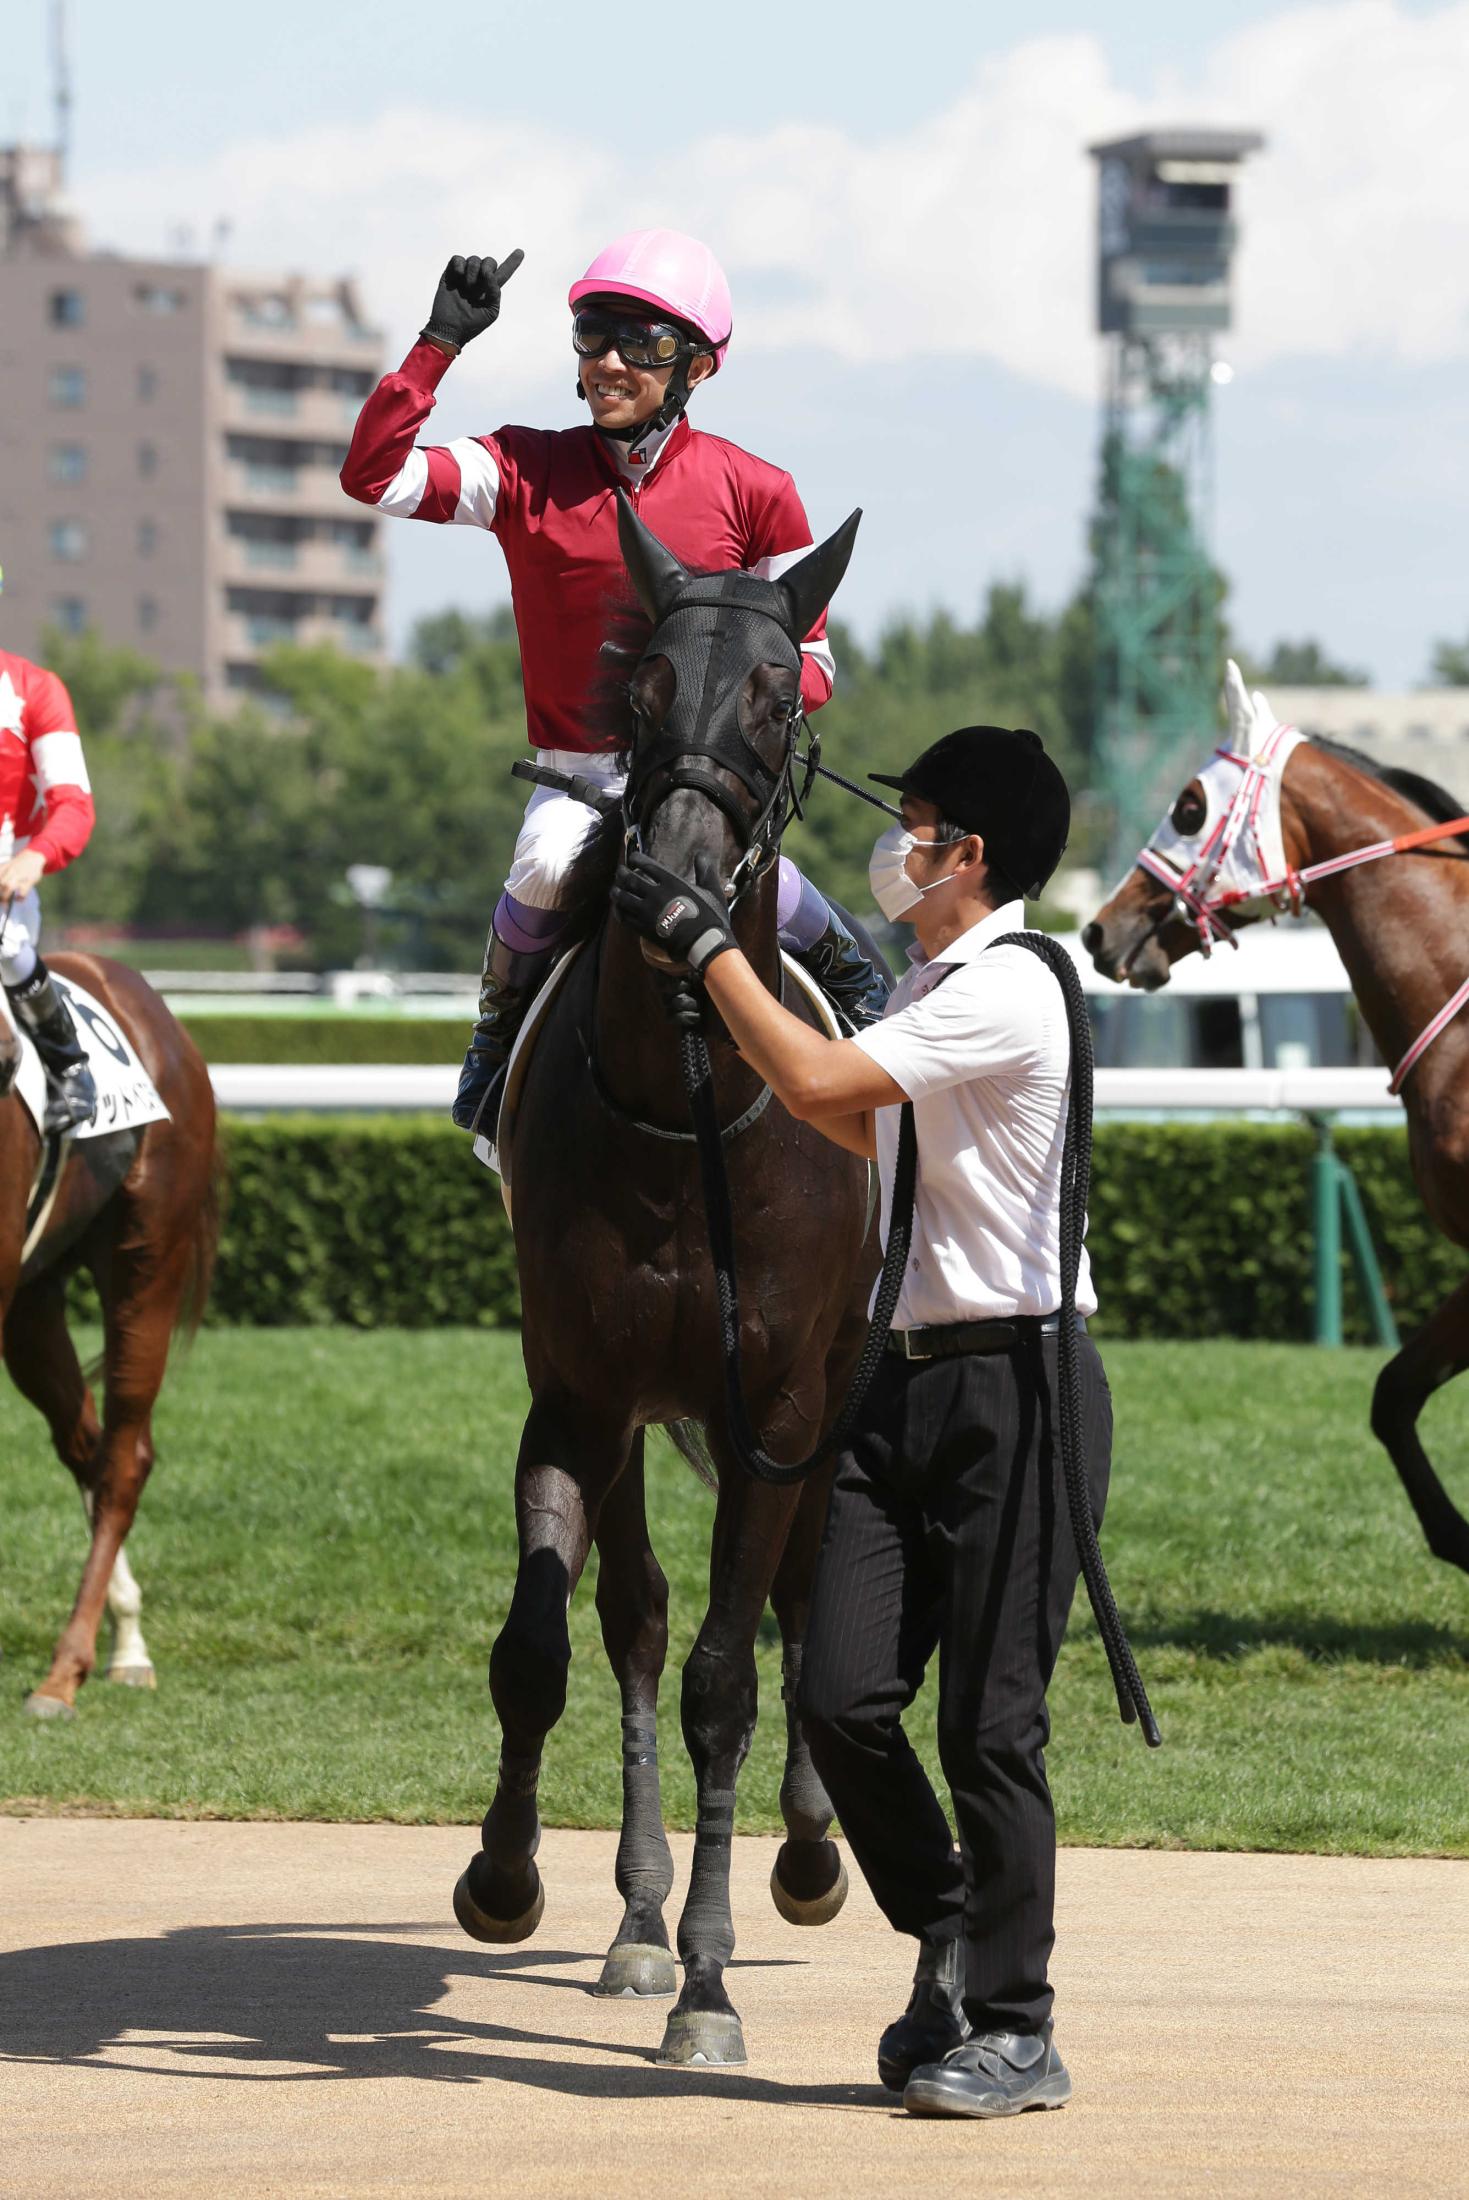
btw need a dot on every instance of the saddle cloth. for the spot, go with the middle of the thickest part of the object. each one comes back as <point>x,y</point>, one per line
<point>497,1155</point>
<point>126,1094</point>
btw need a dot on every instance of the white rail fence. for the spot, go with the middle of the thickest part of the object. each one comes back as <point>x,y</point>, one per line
<point>255,1088</point>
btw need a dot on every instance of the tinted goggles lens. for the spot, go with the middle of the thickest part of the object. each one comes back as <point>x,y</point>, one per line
<point>640,343</point>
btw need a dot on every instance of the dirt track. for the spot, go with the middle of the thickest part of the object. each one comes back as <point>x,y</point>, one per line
<point>250,2009</point>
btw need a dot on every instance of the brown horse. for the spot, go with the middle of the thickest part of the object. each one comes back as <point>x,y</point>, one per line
<point>621,1322</point>
<point>140,1210</point>
<point>1401,926</point>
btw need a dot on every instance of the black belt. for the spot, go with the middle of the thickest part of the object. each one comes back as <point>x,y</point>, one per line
<point>945,1340</point>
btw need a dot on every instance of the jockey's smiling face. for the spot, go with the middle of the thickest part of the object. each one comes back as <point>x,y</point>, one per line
<point>622,396</point>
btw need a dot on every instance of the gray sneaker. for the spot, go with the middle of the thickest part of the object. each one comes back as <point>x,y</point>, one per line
<point>993,2074</point>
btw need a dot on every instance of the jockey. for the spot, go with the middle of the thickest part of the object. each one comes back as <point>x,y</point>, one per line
<point>46,818</point>
<point>651,320</point>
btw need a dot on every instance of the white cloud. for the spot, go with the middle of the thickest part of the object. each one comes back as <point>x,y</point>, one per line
<point>970,235</point>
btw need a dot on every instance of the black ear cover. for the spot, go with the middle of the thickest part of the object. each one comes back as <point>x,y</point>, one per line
<point>654,571</point>
<point>809,587</point>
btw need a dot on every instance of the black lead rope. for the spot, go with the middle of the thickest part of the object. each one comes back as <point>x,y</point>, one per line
<point>698,1078</point>
<point>1076,1177</point>
<point>1076,1159</point>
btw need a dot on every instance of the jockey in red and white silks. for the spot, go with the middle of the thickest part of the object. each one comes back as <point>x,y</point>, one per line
<point>46,820</point>
<point>651,321</point>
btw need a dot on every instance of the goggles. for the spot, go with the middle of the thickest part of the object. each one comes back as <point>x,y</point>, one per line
<point>637,343</point>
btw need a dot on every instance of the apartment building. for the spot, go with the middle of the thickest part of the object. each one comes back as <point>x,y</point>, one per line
<point>170,435</point>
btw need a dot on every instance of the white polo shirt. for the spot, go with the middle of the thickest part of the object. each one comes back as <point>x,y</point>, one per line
<point>977,1039</point>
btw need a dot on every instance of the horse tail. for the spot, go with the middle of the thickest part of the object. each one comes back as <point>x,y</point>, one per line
<point>203,1251</point>
<point>689,1441</point>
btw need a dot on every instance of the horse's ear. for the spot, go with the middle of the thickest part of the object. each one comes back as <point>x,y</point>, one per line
<point>655,572</point>
<point>809,587</point>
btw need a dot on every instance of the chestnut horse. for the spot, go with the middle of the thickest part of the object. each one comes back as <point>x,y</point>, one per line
<point>140,1210</point>
<point>621,1318</point>
<point>1263,811</point>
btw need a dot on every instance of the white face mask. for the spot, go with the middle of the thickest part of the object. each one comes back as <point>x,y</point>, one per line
<point>887,872</point>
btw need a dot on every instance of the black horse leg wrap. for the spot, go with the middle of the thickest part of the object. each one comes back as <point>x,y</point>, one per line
<point>804,1803</point>
<point>706,1928</point>
<point>519,1775</point>
<point>639,1742</point>
<point>644,1870</point>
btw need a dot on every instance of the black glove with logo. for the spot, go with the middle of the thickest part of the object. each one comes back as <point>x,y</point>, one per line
<point>467,301</point>
<point>690,923</point>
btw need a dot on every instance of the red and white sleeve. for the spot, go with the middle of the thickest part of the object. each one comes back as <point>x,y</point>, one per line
<point>449,484</point>
<point>60,772</point>
<point>785,534</point>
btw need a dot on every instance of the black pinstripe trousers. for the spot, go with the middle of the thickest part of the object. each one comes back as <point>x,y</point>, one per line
<point>948,1530</point>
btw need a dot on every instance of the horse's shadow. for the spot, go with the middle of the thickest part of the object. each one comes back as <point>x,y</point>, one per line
<point>338,2006</point>
<point>1417,1644</point>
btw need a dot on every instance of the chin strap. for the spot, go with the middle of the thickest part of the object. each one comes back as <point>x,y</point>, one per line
<point>672,409</point>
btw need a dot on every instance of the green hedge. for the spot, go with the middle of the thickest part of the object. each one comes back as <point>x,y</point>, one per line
<point>1196,1229</point>
<point>1204,1229</point>
<point>224,1037</point>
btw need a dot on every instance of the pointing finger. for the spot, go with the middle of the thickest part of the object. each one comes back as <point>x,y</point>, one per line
<point>508,265</point>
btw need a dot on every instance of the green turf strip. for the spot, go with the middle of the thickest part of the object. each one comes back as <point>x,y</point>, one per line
<point>327,1547</point>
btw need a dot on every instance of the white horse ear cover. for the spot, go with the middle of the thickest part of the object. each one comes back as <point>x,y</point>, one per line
<point>1251,719</point>
<point>1238,710</point>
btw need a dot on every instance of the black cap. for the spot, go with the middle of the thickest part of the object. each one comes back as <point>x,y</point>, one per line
<point>996,781</point>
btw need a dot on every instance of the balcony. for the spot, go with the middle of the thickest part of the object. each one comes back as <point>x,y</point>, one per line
<point>327,415</point>
<point>249,635</point>
<point>324,343</point>
<point>313,490</point>
<point>325,567</point>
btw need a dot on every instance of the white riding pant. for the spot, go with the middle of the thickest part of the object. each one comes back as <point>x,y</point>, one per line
<point>20,937</point>
<point>556,828</point>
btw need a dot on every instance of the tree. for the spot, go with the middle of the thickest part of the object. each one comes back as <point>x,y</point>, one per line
<point>1449,666</point>
<point>1297,664</point>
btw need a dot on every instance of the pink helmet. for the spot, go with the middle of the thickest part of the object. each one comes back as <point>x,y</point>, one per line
<point>666,269</point>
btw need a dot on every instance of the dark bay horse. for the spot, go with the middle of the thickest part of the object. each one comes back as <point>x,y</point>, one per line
<point>1401,927</point>
<point>140,1210</point>
<point>620,1314</point>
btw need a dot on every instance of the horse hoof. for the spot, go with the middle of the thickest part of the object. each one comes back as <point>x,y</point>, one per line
<point>498,1930</point>
<point>48,1707</point>
<point>637,1967</point>
<point>132,1676</point>
<point>708,2036</point>
<point>818,1909</point>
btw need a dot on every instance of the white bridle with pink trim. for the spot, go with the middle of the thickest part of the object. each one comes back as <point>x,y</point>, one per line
<point>1228,863</point>
<point>1236,859</point>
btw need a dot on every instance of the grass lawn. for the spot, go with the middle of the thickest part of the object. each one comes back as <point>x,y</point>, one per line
<point>327,1547</point>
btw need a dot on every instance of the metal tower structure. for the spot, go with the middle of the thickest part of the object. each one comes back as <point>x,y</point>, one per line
<point>1166,238</point>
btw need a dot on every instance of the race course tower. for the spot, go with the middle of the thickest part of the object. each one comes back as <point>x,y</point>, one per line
<point>1165,237</point>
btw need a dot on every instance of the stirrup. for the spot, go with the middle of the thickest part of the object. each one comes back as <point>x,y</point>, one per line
<point>71,1100</point>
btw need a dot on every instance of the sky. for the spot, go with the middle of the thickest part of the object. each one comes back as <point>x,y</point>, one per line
<point>902,199</point>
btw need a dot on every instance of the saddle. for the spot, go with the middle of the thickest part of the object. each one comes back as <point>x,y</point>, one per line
<point>496,1154</point>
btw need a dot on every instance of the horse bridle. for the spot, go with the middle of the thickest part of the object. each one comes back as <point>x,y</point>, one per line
<point>675,756</point>
<point>1198,899</point>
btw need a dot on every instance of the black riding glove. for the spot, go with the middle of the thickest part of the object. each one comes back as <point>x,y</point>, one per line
<point>467,301</point>
<point>691,923</point>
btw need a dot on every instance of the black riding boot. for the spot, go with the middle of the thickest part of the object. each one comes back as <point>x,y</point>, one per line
<point>71,1095</point>
<point>508,984</point>
<point>934,2023</point>
<point>836,961</point>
